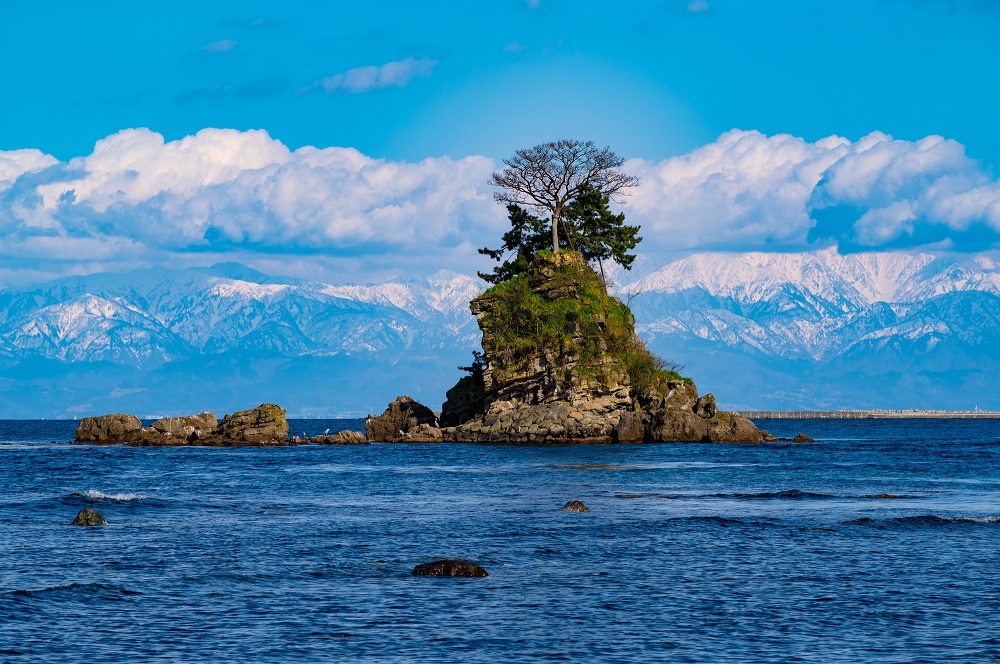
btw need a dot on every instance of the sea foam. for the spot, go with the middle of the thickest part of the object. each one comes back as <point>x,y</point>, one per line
<point>93,494</point>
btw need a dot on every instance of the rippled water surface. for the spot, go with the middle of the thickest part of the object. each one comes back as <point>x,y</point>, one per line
<point>691,553</point>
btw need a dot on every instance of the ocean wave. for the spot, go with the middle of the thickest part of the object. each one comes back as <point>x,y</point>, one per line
<point>101,589</point>
<point>788,494</point>
<point>923,520</point>
<point>95,495</point>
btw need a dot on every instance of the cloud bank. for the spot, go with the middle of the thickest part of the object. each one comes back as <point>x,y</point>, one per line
<point>224,194</point>
<point>751,191</point>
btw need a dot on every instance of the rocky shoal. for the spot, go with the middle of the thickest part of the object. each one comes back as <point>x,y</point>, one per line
<point>264,425</point>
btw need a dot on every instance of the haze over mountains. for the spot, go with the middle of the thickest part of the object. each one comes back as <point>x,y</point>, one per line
<point>760,330</point>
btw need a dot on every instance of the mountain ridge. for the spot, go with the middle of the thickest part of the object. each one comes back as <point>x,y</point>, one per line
<point>806,330</point>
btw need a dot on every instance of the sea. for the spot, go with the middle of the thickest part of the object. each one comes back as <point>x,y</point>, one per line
<point>879,542</point>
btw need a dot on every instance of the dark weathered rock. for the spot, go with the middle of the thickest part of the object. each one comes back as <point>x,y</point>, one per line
<point>802,438</point>
<point>403,416</point>
<point>89,517</point>
<point>574,506</point>
<point>345,437</point>
<point>732,428</point>
<point>109,429</point>
<point>263,425</point>
<point>464,401</point>
<point>705,407</point>
<point>450,568</point>
<point>631,427</point>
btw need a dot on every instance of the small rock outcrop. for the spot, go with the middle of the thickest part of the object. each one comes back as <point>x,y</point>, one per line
<point>450,568</point>
<point>561,363</point>
<point>574,506</point>
<point>404,420</point>
<point>172,431</point>
<point>802,438</point>
<point>345,437</point>
<point>263,425</point>
<point>89,517</point>
<point>108,429</point>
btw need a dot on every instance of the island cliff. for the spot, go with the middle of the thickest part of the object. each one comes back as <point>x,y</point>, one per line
<point>561,363</point>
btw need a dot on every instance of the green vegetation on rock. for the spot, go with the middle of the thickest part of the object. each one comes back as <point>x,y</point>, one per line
<point>560,306</point>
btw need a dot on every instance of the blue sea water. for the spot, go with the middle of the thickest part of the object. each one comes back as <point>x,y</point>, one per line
<point>691,553</point>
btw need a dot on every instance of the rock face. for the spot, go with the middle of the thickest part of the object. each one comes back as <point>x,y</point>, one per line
<point>561,364</point>
<point>450,568</point>
<point>89,517</point>
<point>108,429</point>
<point>264,425</point>
<point>404,420</point>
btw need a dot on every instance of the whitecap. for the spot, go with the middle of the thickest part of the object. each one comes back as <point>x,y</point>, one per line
<point>93,494</point>
<point>977,519</point>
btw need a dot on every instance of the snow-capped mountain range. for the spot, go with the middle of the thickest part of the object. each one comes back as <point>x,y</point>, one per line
<point>819,306</point>
<point>761,330</point>
<point>153,316</point>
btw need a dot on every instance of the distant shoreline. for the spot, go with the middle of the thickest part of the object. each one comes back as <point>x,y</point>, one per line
<point>869,414</point>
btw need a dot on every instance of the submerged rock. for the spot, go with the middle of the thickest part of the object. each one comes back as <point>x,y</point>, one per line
<point>574,506</point>
<point>403,416</point>
<point>450,568</point>
<point>89,517</point>
<point>109,429</point>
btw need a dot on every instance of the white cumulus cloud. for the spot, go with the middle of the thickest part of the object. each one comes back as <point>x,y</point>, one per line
<point>224,191</point>
<point>748,190</point>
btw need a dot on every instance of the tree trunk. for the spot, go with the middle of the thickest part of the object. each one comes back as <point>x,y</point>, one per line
<point>555,230</point>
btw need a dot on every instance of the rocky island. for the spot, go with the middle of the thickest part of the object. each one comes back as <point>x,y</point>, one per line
<point>561,363</point>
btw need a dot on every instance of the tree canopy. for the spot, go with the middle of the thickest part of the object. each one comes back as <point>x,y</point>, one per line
<point>589,227</point>
<point>548,176</point>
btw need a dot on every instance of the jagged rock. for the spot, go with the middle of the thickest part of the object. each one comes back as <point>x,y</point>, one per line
<point>802,438</point>
<point>631,427</point>
<point>706,407</point>
<point>109,429</point>
<point>574,506</point>
<point>345,437</point>
<point>88,517</point>
<point>450,568</point>
<point>171,431</point>
<point>464,401</point>
<point>263,425</point>
<point>404,415</point>
<point>681,395</point>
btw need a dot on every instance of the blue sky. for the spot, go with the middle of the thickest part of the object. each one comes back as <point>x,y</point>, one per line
<point>403,82</point>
